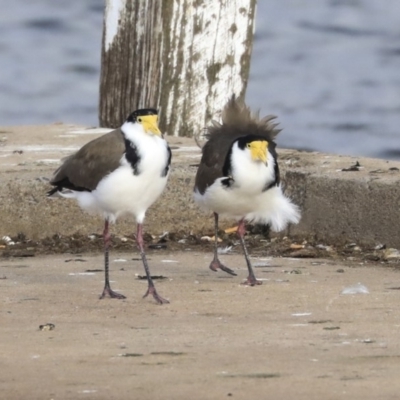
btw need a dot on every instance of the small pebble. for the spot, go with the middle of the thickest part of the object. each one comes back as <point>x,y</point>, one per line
<point>47,327</point>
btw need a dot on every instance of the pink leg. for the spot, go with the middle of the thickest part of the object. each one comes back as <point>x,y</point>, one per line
<point>151,288</point>
<point>107,292</point>
<point>251,279</point>
<point>216,263</point>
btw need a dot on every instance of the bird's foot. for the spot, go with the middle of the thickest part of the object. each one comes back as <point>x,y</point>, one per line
<point>152,290</point>
<point>216,264</point>
<point>252,281</point>
<point>107,292</point>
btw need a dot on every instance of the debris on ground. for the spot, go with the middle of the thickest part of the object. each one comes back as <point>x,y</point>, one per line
<point>259,242</point>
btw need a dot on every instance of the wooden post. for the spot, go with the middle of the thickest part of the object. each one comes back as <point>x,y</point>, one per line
<point>184,57</point>
<point>131,55</point>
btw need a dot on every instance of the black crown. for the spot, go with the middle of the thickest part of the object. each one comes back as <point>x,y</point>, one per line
<point>140,113</point>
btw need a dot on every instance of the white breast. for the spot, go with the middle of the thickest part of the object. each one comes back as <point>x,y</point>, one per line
<point>246,197</point>
<point>123,192</point>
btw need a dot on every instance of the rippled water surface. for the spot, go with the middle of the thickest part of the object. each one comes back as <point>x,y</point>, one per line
<point>330,69</point>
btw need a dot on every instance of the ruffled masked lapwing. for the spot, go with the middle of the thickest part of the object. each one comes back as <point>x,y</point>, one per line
<point>238,177</point>
<point>121,172</point>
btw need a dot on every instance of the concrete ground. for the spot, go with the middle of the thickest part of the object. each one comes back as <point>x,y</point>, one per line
<point>318,328</point>
<point>296,336</point>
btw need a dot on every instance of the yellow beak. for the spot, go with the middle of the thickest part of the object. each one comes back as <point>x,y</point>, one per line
<point>150,124</point>
<point>258,150</point>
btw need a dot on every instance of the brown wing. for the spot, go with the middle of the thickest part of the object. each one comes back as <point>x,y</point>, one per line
<point>84,169</point>
<point>212,161</point>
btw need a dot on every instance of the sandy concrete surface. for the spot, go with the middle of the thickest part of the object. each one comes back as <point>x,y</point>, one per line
<point>296,336</point>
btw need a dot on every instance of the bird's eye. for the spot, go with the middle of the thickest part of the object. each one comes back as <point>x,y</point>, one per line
<point>248,145</point>
<point>139,119</point>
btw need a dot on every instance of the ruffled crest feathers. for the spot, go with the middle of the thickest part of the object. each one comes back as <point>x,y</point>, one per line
<point>238,120</point>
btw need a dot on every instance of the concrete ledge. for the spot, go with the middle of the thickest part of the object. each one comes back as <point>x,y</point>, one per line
<point>337,205</point>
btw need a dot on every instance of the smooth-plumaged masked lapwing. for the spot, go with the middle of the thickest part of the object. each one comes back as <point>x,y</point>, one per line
<point>238,177</point>
<point>121,172</point>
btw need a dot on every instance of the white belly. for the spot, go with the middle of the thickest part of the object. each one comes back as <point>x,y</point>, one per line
<point>122,192</point>
<point>269,207</point>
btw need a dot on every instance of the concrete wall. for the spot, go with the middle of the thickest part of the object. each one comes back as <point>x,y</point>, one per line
<point>361,206</point>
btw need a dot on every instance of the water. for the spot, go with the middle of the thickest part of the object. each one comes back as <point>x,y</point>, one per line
<point>50,61</point>
<point>329,69</point>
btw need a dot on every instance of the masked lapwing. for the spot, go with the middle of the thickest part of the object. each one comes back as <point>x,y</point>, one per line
<point>121,172</point>
<point>238,177</point>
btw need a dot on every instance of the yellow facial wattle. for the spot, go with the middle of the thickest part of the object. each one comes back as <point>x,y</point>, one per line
<point>150,124</point>
<point>258,150</point>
